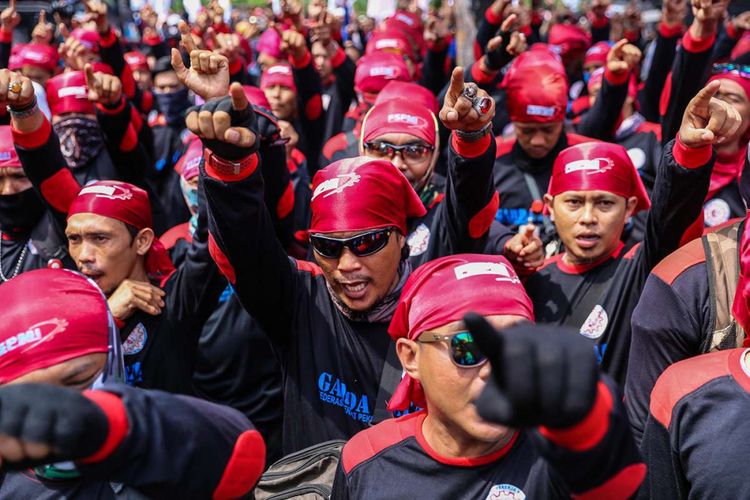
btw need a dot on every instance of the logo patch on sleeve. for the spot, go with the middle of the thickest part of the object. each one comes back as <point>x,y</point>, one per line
<point>505,492</point>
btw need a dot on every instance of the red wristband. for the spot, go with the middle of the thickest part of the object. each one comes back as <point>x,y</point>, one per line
<point>691,157</point>
<point>306,59</point>
<point>6,36</point>
<point>695,45</point>
<point>229,171</point>
<point>471,149</point>
<point>35,138</point>
<point>616,78</point>
<point>338,58</point>
<point>667,31</point>
<point>492,18</point>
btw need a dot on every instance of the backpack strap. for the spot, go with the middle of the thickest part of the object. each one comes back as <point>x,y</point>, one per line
<point>723,269</point>
<point>389,380</point>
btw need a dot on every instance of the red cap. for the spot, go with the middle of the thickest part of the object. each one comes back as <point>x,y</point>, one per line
<point>88,38</point>
<point>129,204</point>
<point>256,96</point>
<point>376,70</point>
<point>443,291</point>
<point>188,164</point>
<point>393,42</point>
<point>400,116</point>
<point>415,92</point>
<point>67,93</point>
<point>136,60</point>
<point>36,333</point>
<point>598,166</point>
<point>278,74</point>
<point>536,88</point>
<point>39,56</point>
<point>8,155</point>
<point>569,40</point>
<point>597,53</point>
<point>360,194</point>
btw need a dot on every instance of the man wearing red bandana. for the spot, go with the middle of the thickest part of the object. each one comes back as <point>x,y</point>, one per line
<point>69,425</point>
<point>328,320</point>
<point>535,421</point>
<point>594,286</point>
<point>109,228</point>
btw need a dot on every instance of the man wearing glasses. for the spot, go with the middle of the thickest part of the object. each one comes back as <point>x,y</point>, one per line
<point>563,430</point>
<point>328,321</point>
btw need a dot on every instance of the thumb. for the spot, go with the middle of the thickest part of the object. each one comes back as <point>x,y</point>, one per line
<point>239,99</point>
<point>178,65</point>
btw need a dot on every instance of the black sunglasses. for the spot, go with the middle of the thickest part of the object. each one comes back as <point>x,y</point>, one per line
<point>361,245</point>
<point>409,152</point>
<point>465,352</point>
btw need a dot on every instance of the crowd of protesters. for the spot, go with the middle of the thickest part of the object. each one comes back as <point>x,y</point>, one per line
<point>283,234</point>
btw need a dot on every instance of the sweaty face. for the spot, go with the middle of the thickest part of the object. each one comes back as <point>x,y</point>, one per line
<point>537,139</point>
<point>166,82</point>
<point>102,249</point>
<point>13,180</point>
<point>589,223</point>
<point>731,92</point>
<point>77,373</point>
<point>450,390</point>
<point>413,168</point>
<point>360,282</point>
<point>283,101</point>
<point>322,62</point>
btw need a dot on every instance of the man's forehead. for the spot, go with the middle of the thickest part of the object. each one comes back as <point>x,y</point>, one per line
<point>399,139</point>
<point>87,221</point>
<point>592,194</point>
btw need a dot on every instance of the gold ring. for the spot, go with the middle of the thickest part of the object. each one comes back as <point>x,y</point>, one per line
<point>15,87</point>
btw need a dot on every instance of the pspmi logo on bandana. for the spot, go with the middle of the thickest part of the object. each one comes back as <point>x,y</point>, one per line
<point>505,492</point>
<point>334,392</point>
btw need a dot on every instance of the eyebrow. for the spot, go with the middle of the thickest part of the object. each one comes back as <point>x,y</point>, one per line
<point>70,378</point>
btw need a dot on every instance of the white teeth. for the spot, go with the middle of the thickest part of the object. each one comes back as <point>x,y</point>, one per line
<point>355,288</point>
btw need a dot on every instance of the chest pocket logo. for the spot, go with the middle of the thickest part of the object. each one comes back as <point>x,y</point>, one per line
<point>595,324</point>
<point>136,341</point>
<point>505,492</point>
<point>418,240</point>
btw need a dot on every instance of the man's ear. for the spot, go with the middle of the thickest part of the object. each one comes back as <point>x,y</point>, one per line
<point>630,205</point>
<point>408,354</point>
<point>143,240</point>
<point>401,239</point>
<point>549,202</point>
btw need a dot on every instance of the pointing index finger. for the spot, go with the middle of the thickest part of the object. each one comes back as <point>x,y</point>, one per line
<point>90,78</point>
<point>703,97</point>
<point>457,83</point>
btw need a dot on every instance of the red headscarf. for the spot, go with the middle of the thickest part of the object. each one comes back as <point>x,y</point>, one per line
<point>256,96</point>
<point>409,90</point>
<point>570,40</point>
<point>136,60</point>
<point>393,42</point>
<point>39,56</point>
<point>38,334</point>
<point>188,164</point>
<point>443,291</point>
<point>598,166</point>
<point>360,194</point>
<point>741,304</point>
<point>88,38</point>
<point>8,155</point>
<point>278,74</point>
<point>376,70</point>
<point>536,88</point>
<point>597,53</point>
<point>400,116</point>
<point>67,93</point>
<point>129,204</point>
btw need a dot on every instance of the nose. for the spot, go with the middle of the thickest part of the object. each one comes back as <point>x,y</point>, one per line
<point>86,253</point>
<point>348,262</point>
<point>588,215</point>
<point>398,162</point>
<point>537,139</point>
<point>484,371</point>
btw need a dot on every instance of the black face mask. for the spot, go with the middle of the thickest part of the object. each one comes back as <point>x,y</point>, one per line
<point>173,105</point>
<point>80,140</point>
<point>20,212</point>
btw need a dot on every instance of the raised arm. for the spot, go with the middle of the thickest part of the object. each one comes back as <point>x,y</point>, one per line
<point>159,443</point>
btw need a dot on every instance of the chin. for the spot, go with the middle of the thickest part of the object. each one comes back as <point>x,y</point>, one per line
<point>486,431</point>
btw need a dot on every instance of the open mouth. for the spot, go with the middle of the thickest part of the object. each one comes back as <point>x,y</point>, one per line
<point>355,289</point>
<point>587,240</point>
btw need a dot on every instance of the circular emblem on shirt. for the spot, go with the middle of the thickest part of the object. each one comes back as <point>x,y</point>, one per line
<point>638,157</point>
<point>505,492</point>
<point>596,323</point>
<point>716,212</point>
<point>418,240</point>
<point>135,341</point>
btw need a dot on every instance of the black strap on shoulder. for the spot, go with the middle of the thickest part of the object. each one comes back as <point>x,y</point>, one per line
<point>549,228</point>
<point>389,380</point>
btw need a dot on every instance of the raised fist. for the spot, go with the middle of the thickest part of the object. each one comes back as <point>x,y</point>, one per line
<point>208,75</point>
<point>623,57</point>
<point>103,88</point>
<point>458,112</point>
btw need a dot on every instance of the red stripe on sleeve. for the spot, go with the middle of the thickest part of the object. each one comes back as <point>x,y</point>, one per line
<point>244,468</point>
<point>482,220</point>
<point>128,82</point>
<point>471,149</point>
<point>306,59</point>
<point>107,39</point>
<point>314,107</point>
<point>34,139</point>
<point>306,265</point>
<point>492,18</point>
<point>624,484</point>
<point>670,31</point>
<point>111,111</point>
<point>221,260</point>
<point>616,78</point>
<point>590,431</point>
<point>136,120</point>
<point>338,58</point>
<point>480,76</point>
<point>129,140</point>
<point>6,36</point>
<point>60,189</point>
<point>113,408</point>
<point>690,157</point>
<point>695,45</point>
<point>286,202</point>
